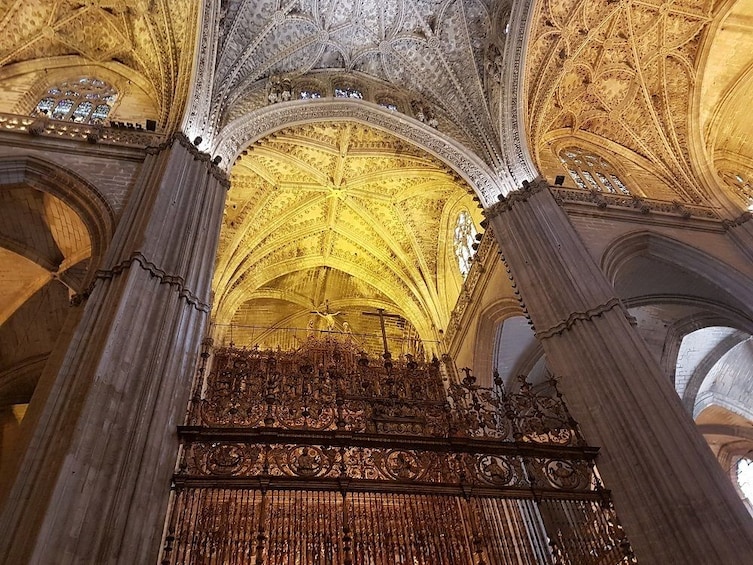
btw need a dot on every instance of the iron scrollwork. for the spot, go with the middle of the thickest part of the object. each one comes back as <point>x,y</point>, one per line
<point>339,433</point>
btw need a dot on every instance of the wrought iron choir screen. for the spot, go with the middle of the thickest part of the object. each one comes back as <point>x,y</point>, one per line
<point>322,456</point>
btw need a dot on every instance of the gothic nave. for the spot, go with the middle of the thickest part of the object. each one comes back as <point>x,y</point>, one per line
<point>354,281</point>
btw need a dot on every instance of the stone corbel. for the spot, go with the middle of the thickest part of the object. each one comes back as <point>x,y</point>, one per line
<point>738,221</point>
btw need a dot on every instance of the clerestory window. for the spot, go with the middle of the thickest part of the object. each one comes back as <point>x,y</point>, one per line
<point>348,92</point>
<point>85,100</point>
<point>387,103</point>
<point>463,239</point>
<point>591,172</point>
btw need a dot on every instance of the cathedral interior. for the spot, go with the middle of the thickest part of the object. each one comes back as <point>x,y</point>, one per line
<point>425,282</point>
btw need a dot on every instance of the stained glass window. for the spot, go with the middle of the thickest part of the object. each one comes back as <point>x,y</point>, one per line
<point>46,104</point>
<point>463,240</point>
<point>310,94</point>
<point>63,109</point>
<point>591,172</point>
<point>84,100</point>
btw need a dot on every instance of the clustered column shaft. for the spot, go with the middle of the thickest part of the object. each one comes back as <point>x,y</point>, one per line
<point>672,496</point>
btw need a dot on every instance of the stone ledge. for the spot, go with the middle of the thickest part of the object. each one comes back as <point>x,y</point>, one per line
<point>164,278</point>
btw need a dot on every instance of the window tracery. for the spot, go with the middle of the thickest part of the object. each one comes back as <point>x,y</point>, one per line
<point>85,100</point>
<point>591,172</point>
<point>464,237</point>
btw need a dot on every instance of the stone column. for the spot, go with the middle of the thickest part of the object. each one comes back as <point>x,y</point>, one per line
<point>675,502</point>
<point>95,482</point>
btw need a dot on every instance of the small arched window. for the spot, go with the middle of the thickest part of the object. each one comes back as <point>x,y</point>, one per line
<point>386,102</point>
<point>464,237</point>
<point>591,172</point>
<point>309,94</point>
<point>84,100</point>
<point>348,92</point>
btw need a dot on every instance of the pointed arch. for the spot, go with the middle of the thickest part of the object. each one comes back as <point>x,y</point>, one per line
<point>78,193</point>
<point>736,286</point>
<point>260,123</point>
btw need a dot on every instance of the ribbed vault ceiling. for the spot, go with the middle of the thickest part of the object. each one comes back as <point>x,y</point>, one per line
<point>667,81</point>
<point>434,48</point>
<point>343,213</point>
<point>154,38</point>
<point>621,71</point>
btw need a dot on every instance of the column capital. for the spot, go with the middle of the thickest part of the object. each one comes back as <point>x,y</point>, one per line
<point>198,155</point>
<point>507,202</point>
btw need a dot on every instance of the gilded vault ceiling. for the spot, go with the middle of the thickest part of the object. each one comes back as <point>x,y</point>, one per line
<point>154,38</point>
<point>436,49</point>
<point>343,213</point>
<point>623,72</point>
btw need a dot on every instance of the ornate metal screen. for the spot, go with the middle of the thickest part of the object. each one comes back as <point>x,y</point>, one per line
<point>322,456</point>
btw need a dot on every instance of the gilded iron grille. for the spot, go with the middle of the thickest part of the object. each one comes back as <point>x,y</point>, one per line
<point>325,456</point>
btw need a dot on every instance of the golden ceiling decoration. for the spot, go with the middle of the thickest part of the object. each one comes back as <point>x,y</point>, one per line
<point>344,213</point>
<point>623,71</point>
<point>154,38</point>
<point>439,51</point>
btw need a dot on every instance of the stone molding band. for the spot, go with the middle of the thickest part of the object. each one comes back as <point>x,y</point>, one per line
<point>735,222</point>
<point>164,278</point>
<point>585,316</point>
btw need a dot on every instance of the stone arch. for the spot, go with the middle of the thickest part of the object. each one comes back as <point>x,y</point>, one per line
<point>257,124</point>
<point>715,295</point>
<point>490,320</point>
<point>687,290</point>
<point>516,147</point>
<point>44,275</point>
<point>685,326</point>
<point>703,369</point>
<point>736,287</point>
<point>135,93</point>
<point>78,193</point>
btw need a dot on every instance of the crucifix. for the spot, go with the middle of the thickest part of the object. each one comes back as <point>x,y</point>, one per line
<point>329,317</point>
<point>382,316</point>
